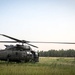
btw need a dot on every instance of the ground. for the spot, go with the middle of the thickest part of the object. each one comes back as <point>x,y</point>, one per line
<point>45,66</point>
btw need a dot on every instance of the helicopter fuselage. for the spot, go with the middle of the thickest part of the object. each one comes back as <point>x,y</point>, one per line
<point>18,54</point>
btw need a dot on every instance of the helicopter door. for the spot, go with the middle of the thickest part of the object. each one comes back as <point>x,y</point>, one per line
<point>15,56</point>
<point>18,55</point>
<point>24,54</point>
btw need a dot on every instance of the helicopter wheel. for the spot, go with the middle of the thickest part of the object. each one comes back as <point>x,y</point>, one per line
<point>8,56</point>
<point>7,59</point>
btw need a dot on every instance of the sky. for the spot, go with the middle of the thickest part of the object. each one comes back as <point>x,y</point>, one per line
<point>39,20</point>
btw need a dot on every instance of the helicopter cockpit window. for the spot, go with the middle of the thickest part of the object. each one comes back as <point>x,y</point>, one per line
<point>11,48</point>
<point>28,52</point>
<point>26,47</point>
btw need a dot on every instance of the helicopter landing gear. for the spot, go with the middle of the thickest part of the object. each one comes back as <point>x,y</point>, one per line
<point>8,56</point>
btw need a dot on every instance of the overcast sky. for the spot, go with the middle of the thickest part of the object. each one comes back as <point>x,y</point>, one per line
<point>39,20</point>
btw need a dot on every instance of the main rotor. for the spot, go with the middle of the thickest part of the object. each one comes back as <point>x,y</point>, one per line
<point>16,41</point>
<point>27,42</point>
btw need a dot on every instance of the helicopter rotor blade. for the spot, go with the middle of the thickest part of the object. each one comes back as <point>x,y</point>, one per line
<point>27,42</point>
<point>16,40</point>
<point>8,42</point>
<point>53,42</point>
<point>33,45</point>
<point>11,38</point>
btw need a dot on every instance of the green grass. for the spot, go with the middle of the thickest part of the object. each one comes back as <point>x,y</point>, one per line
<point>45,66</point>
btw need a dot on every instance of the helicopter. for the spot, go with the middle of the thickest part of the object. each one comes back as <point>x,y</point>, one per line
<point>18,53</point>
<point>22,53</point>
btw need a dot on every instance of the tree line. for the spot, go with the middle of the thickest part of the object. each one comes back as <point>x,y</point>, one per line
<point>58,53</point>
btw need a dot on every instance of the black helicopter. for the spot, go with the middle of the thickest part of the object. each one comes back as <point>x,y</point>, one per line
<point>21,53</point>
<point>18,53</point>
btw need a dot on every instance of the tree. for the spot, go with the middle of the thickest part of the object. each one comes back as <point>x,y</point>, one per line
<point>58,53</point>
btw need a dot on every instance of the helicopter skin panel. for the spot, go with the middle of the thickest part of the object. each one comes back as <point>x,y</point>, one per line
<point>18,56</point>
<point>3,55</point>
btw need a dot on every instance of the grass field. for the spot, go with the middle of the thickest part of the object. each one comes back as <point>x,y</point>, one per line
<point>45,66</point>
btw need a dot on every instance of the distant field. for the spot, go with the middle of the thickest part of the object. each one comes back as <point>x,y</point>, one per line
<point>45,66</point>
